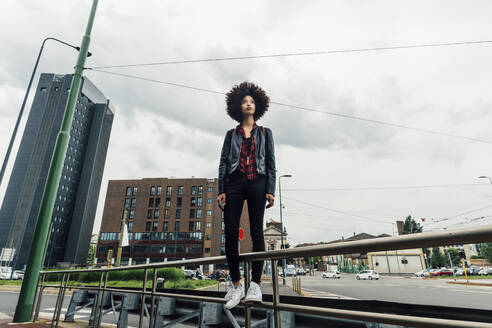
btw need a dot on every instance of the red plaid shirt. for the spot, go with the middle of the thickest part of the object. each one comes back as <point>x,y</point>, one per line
<point>247,164</point>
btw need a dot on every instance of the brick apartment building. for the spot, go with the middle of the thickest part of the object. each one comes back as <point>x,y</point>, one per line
<point>168,219</point>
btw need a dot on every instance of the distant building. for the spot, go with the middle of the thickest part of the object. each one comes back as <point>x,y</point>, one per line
<point>273,236</point>
<point>76,201</point>
<point>168,219</point>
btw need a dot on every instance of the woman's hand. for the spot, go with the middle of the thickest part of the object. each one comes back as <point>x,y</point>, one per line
<point>270,198</point>
<point>221,199</point>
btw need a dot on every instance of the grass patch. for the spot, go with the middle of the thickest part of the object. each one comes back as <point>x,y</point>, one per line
<point>178,284</point>
<point>469,277</point>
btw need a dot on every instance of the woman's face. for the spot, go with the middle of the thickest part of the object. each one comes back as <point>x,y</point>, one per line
<point>248,106</point>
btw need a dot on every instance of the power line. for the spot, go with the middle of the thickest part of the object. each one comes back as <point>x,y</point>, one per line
<point>295,107</point>
<point>336,211</point>
<point>294,54</point>
<point>391,187</point>
<point>458,215</point>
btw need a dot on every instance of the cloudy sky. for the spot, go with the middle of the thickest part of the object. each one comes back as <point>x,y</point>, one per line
<point>349,176</point>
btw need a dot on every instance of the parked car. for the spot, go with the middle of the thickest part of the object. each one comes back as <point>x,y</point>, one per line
<point>6,273</point>
<point>288,272</point>
<point>367,274</point>
<point>483,272</point>
<point>19,273</point>
<point>189,274</point>
<point>421,273</point>
<point>459,272</point>
<point>434,272</point>
<point>331,274</point>
<point>446,272</point>
<point>301,272</point>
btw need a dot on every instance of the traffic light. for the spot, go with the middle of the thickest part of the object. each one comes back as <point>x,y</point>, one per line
<point>404,260</point>
<point>462,254</point>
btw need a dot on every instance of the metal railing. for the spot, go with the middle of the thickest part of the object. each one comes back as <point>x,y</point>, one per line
<point>442,238</point>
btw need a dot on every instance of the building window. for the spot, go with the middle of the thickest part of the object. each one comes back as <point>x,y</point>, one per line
<point>152,190</point>
<point>178,214</point>
<point>210,189</point>
<point>180,190</point>
<point>179,202</point>
<point>151,202</point>
<point>176,226</point>
<point>149,214</point>
<point>156,214</point>
<point>157,249</point>
<point>191,225</point>
<point>192,214</point>
<point>222,250</point>
<point>165,226</point>
<point>207,237</point>
<point>209,212</point>
<point>128,191</point>
<point>193,190</point>
<point>132,214</point>
<point>198,226</point>
<point>155,225</point>
<point>130,226</point>
<point>209,200</point>
<point>134,193</point>
<point>147,226</point>
<point>134,202</point>
<point>169,190</point>
<point>157,202</point>
<point>200,190</point>
<point>166,213</point>
<point>208,225</point>
<point>222,238</point>
<point>207,250</point>
<point>192,202</point>
<point>199,201</point>
<point>223,225</point>
<point>159,190</point>
<point>198,214</point>
<point>127,202</point>
<point>168,202</point>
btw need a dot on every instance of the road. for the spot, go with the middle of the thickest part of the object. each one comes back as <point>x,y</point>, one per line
<point>399,289</point>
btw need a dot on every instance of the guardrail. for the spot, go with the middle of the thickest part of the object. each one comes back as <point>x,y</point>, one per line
<point>442,238</point>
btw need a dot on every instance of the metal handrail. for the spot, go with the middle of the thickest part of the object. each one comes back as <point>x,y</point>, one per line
<point>451,237</point>
<point>418,240</point>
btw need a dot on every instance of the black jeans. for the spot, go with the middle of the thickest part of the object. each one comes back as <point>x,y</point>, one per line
<point>238,188</point>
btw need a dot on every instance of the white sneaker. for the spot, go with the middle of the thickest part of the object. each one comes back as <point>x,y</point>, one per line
<point>254,293</point>
<point>229,291</point>
<point>236,295</point>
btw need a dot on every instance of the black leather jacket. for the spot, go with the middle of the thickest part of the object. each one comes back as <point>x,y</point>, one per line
<point>264,152</point>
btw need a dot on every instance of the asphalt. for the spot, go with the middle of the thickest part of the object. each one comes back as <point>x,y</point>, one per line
<point>399,289</point>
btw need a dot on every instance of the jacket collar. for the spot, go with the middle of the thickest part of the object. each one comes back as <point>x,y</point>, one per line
<point>240,129</point>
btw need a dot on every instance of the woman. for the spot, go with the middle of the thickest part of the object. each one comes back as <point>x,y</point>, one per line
<point>246,172</point>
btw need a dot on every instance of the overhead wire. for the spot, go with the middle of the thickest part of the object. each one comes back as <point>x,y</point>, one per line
<point>303,108</point>
<point>388,187</point>
<point>293,54</point>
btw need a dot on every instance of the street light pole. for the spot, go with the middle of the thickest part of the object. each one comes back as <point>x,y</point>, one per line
<point>14,133</point>
<point>23,310</point>
<point>282,223</point>
<point>120,242</point>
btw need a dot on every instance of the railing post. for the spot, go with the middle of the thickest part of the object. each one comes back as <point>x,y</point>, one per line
<point>57,304</point>
<point>97,300</point>
<point>101,308</point>
<point>154,278</point>
<point>276,296</point>
<point>61,299</point>
<point>247,309</point>
<point>142,305</point>
<point>39,295</point>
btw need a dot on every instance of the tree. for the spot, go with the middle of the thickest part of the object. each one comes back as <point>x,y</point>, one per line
<point>410,226</point>
<point>486,251</point>
<point>455,256</point>
<point>92,255</point>
<point>437,258</point>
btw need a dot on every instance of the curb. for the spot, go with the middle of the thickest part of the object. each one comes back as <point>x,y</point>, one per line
<point>483,284</point>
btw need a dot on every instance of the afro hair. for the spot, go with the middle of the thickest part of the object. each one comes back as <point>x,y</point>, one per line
<point>237,94</point>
